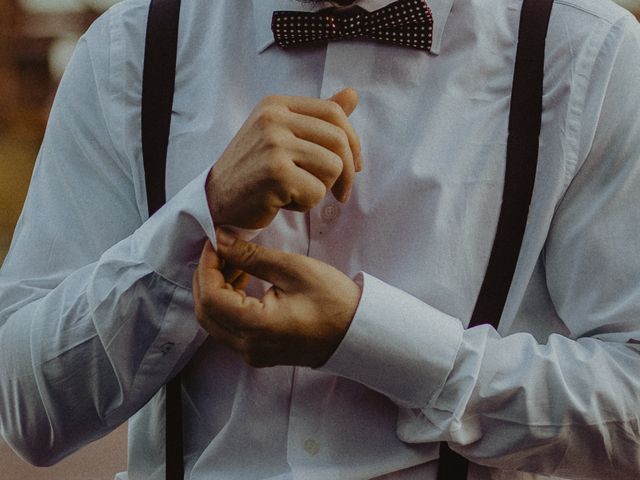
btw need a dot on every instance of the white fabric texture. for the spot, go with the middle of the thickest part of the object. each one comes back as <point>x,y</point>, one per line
<point>96,310</point>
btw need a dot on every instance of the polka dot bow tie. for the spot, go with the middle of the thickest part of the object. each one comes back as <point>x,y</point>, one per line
<point>407,23</point>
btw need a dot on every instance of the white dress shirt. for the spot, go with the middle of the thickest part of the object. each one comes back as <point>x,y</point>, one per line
<point>96,312</point>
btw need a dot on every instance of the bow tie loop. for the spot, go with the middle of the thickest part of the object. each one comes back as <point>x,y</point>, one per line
<point>408,23</point>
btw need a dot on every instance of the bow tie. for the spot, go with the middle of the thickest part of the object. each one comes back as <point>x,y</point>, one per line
<point>407,23</point>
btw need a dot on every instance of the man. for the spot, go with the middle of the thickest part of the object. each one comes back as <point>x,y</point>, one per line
<point>371,210</point>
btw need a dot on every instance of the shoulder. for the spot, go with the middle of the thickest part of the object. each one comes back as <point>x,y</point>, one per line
<point>580,31</point>
<point>596,10</point>
<point>108,65</point>
<point>118,35</point>
<point>590,21</point>
<point>593,48</point>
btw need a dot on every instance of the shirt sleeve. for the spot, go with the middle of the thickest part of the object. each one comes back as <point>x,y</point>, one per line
<point>94,297</point>
<point>568,407</point>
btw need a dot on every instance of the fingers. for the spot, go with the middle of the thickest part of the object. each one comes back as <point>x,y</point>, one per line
<point>212,275</point>
<point>321,162</point>
<point>334,111</point>
<point>323,122</point>
<point>227,313</point>
<point>331,138</point>
<point>206,278</point>
<point>219,303</point>
<point>258,172</point>
<point>209,267</point>
<point>276,267</point>
<point>348,101</point>
<point>300,320</point>
<point>347,98</point>
<point>236,279</point>
<point>304,191</point>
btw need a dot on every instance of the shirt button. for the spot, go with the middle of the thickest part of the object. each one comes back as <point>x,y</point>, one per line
<point>166,348</point>
<point>330,212</point>
<point>311,447</point>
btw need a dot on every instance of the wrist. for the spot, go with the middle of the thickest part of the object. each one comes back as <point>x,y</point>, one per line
<point>216,207</point>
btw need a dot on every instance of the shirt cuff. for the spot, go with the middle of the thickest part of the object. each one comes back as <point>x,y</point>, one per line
<point>245,234</point>
<point>397,345</point>
<point>171,241</point>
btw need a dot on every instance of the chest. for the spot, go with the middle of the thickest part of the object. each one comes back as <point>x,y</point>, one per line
<point>433,129</point>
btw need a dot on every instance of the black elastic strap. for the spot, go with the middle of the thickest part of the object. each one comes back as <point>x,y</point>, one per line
<point>525,118</point>
<point>158,85</point>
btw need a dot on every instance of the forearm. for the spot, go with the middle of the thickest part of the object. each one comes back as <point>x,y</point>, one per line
<point>565,408</point>
<point>95,344</point>
<point>82,359</point>
<point>95,299</point>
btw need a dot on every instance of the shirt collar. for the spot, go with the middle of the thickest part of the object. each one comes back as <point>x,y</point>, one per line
<point>263,10</point>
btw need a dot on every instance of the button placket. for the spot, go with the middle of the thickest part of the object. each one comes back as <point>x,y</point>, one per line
<point>330,212</point>
<point>323,218</point>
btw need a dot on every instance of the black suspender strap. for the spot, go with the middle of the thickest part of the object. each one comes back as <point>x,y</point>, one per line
<point>158,85</point>
<point>525,120</point>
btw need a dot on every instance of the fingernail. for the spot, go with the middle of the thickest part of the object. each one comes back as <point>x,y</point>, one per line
<point>359,163</point>
<point>225,238</point>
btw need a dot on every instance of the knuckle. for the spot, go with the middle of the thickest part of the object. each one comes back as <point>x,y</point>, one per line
<point>276,166</point>
<point>335,111</point>
<point>270,100</point>
<point>271,138</point>
<point>249,253</point>
<point>317,194</point>
<point>266,116</point>
<point>334,166</point>
<point>313,196</point>
<point>340,141</point>
<point>342,138</point>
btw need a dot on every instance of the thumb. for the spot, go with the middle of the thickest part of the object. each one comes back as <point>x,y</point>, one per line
<point>209,260</point>
<point>276,267</point>
<point>208,273</point>
<point>347,99</point>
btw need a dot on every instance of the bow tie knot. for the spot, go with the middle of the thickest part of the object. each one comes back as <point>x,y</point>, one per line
<point>407,23</point>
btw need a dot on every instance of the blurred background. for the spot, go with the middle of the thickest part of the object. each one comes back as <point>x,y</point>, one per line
<point>37,38</point>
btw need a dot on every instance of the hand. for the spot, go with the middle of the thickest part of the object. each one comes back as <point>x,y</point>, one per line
<point>301,319</point>
<point>289,152</point>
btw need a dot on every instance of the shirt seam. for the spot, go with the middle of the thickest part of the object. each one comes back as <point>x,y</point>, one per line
<point>117,76</point>
<point>585,10</point>
<point>577,103</point>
